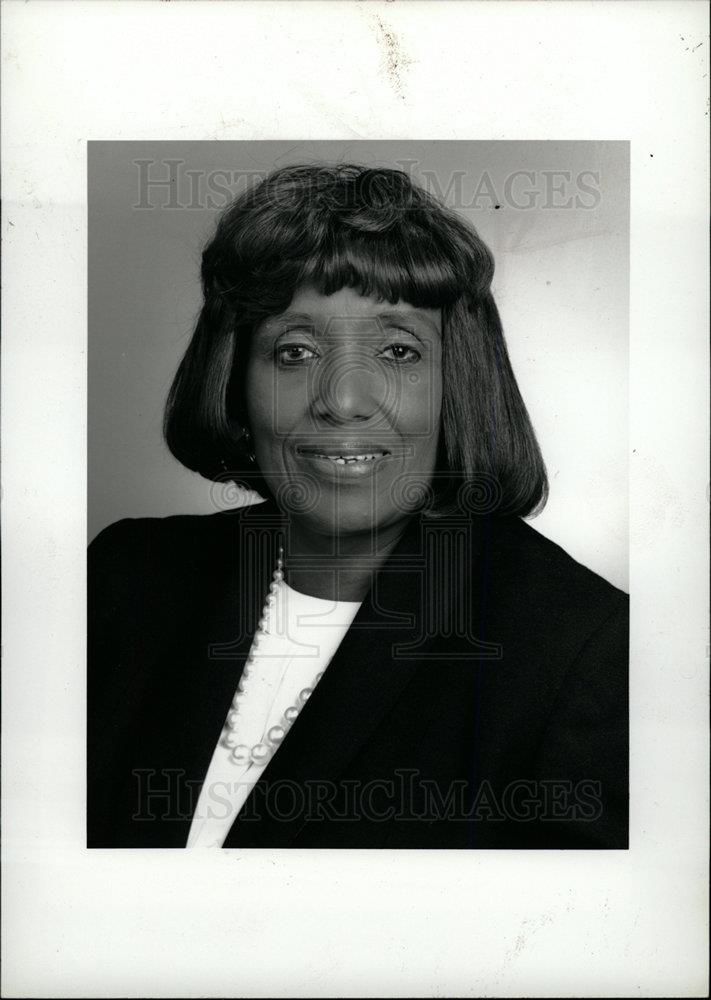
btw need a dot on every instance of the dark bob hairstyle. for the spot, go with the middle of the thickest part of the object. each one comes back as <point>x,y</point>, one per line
<point>373,230</point>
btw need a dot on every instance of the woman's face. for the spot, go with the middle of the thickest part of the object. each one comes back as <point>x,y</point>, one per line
<point>344,396</point>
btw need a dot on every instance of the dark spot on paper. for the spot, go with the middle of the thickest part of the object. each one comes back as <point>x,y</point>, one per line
<point>396,60</point>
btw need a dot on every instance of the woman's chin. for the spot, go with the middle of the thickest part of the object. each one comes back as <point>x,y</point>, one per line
<point>351,521</point>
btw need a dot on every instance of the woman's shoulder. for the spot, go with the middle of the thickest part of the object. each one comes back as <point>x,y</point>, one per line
<point>131,536</point>
<point>174,528</point>
<point>549,580</point>
<point>163,545</point>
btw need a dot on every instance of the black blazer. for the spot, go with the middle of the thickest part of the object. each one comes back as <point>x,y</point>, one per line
<point>479,700</point>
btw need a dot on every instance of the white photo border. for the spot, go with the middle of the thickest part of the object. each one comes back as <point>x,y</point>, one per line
<point>328,923</point>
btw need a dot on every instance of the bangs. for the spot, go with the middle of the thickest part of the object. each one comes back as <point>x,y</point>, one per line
<point>346,227</point>
<point>392,266</point>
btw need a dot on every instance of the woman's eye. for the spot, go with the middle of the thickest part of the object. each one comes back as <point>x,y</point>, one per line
<point>294,354</point>
<point>402,353</point>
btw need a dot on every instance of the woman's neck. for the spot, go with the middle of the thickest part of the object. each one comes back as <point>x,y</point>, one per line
<point>339,568</point>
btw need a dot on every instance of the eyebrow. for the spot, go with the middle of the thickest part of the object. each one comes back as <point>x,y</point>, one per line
<point>389,316</point>
<point>291,317</point>
<point>412,314</point>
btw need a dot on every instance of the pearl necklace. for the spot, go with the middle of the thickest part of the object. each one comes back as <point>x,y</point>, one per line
<point>261,752</point>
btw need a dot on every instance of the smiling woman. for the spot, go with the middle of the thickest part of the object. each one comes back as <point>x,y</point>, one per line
<point>382,653</point>
<point>345,399</point>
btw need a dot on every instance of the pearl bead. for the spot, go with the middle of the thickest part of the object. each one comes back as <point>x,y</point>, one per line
<point>260,753</point>
<point>240,754</point>
<point>319,676</point>
<point>276,734</point>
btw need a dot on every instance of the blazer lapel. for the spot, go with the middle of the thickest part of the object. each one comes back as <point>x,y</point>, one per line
<point>247,554</point>
<point>229,578</point>
<point>395,630</point>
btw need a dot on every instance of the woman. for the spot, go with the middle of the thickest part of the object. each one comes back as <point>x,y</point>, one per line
<point>382,653</point>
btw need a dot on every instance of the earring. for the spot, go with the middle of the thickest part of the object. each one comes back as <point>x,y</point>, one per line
<point>248,446</point>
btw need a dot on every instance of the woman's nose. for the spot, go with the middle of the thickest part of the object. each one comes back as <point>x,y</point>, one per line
<point>350,386</point>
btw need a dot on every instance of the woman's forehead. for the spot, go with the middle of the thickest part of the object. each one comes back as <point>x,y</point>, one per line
<point>308,303</point>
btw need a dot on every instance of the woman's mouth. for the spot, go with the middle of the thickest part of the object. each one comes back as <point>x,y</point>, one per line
<point>354,458</point>
<point>350,459</point>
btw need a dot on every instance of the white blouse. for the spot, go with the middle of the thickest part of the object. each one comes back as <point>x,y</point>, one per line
<point>301,634</point>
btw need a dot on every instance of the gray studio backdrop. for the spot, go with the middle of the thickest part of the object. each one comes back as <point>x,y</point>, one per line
<point>556,216</point>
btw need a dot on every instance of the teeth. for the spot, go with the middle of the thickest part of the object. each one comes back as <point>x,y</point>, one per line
<point>350,459</point>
